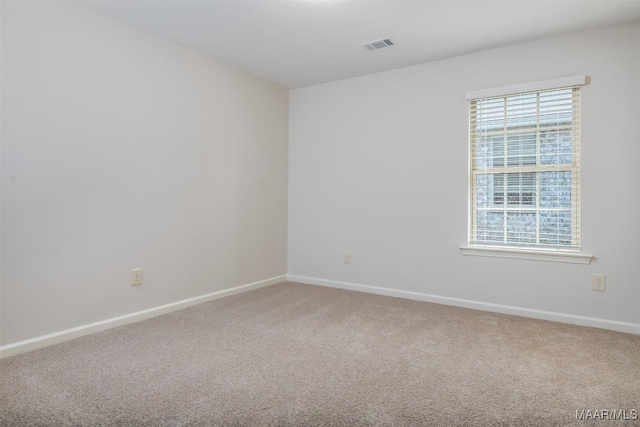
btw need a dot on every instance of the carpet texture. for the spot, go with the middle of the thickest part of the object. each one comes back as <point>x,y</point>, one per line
<point>300,355</point>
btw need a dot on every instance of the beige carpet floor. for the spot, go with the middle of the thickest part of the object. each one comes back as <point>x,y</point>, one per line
<point>300,355</point>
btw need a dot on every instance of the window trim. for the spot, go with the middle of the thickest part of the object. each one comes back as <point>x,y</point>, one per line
<point>527,254</point>
<point>559,254</point>
<point>577,80</point>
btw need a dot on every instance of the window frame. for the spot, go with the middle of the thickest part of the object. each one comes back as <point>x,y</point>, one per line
<point>557,253</point>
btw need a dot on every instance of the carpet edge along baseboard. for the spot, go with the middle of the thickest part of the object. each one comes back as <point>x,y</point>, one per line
<point>102,325</point>
<point>69,334</point>
<point>571,319</point>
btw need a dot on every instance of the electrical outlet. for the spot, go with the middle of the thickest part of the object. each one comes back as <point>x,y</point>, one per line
<point>599,282</point>
<point>136,276</point>
<point>346,257</point>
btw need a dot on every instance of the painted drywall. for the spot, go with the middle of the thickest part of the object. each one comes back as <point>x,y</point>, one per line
<point>379,167</point>
<point>122,150</point>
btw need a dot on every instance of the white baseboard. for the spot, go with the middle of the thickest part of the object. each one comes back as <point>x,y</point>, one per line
<point>92,328</point>
<point>633,328</point>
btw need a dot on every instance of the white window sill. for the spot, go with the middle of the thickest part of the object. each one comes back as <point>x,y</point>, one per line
<point>530,254</point>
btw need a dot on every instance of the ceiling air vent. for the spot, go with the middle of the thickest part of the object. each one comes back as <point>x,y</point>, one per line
<point>377,44</point>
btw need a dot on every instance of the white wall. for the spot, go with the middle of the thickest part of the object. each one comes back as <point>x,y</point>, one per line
<point>121,150</point>
<point>378,167</point>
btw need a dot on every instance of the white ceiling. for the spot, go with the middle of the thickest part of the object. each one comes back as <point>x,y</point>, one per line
<point>297,43</point>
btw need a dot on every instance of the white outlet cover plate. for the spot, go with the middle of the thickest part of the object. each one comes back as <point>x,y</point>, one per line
<point>136,276</point>
<point>599,282</point>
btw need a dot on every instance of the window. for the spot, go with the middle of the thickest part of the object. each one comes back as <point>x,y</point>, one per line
<point>525,169</point>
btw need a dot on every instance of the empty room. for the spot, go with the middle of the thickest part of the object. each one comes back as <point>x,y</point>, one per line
<point>319,213</point>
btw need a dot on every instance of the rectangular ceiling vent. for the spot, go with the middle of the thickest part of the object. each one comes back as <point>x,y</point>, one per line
<point>377,44</point>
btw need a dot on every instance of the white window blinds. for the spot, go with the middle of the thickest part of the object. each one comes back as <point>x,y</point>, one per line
<point>525,169</point>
